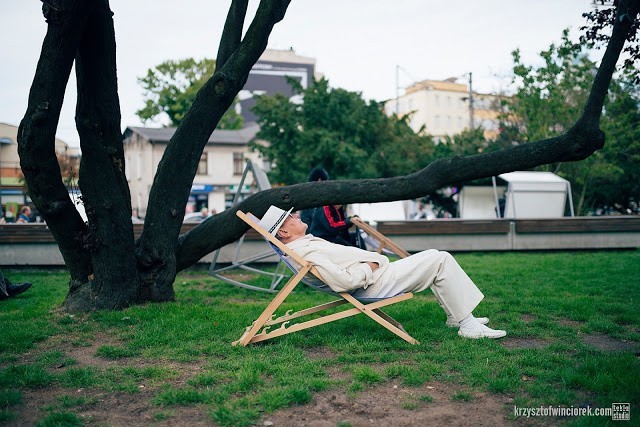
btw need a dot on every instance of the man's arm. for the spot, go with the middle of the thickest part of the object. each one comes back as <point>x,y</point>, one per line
<point>343,279</point>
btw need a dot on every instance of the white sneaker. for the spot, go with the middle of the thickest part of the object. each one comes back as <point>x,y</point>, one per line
<point>453,324</point>
<point>483,332</point>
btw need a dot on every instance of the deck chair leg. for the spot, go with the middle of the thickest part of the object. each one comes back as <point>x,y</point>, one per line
<point>389,319</point>
<point>272,307</point>
<point>382,321</point>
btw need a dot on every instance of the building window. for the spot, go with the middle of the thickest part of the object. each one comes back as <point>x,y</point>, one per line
<point>202,165</point>
<point>238,163</point>
<point>436,100</point>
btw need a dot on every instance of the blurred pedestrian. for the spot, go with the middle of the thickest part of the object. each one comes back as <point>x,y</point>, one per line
<point>25,215</point>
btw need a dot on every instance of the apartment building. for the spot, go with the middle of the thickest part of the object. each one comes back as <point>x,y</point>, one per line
<point>12,185</point>
<point>443,108</point>
<point>270,74</point>
<point>219,172</point>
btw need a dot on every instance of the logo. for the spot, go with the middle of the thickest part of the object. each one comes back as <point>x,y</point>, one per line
<point>621,411</point>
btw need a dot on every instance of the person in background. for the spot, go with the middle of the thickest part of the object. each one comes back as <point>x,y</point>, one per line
<point>316,174</point>
<point>332,224</point>
<point>204,212</point>
<point>25,215</point>
<point>8,289</point>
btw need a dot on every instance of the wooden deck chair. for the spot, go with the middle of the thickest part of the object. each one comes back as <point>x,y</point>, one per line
<point>267,326</point>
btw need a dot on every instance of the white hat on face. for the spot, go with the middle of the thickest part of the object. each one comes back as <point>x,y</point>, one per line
<point>273,219</point>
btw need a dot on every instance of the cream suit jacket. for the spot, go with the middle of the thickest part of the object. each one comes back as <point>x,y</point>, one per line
<point>343,268</point>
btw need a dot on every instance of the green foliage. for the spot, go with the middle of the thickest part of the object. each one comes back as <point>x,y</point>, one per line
<point>171,87</point>
<point>548,101</point>
<point>339,130</point>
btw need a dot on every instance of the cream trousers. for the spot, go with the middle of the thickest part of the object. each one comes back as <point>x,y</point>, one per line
<point>438,270</point>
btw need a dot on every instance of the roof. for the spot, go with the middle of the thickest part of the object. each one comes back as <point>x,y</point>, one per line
<point>437,85</point>
<point>531,177</point>
<point>219,136</point>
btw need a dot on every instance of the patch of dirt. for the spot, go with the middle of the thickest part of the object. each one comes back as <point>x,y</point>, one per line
<point>396,405</point>
<point>524,343</point>
<point>109,408</point>
<point>320,353</point>
<point>606,343</point>
<point>528,318</point>
<point>570,323</point>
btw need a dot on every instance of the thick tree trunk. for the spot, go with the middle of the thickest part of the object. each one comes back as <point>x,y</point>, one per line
<point>36,135</point>
<point>104,187</point>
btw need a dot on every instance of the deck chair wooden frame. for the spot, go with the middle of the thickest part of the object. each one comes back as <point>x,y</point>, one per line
<point>267,326</point>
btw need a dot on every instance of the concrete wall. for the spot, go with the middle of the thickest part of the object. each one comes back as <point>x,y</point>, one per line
<point>32,244</point>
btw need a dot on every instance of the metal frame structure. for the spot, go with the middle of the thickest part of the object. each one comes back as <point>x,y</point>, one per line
<point>262,183</point>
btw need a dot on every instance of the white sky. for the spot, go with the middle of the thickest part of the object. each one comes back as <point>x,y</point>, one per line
<point>357,44</point>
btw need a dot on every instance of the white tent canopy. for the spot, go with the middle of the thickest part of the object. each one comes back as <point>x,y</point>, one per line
<point>526,195</point>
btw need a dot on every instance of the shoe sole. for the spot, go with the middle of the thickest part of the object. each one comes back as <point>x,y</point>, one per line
<point>483,335</point>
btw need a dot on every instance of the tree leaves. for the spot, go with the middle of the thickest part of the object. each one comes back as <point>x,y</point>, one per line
<point>171,87</point>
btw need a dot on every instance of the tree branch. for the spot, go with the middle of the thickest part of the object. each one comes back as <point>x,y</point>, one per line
<point>172,183</point>
<point>232,32</point>
<point>626,13</point>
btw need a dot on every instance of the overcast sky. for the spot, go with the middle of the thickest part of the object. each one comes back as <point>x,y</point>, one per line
<point>357,43</point>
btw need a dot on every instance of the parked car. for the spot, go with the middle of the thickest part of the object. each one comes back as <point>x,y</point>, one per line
<point>195,217</point>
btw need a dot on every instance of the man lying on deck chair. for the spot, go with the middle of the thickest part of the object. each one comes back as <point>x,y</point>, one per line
<point>371,275</point>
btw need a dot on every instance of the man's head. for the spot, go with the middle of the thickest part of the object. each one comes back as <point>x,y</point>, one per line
<point>283,225</point>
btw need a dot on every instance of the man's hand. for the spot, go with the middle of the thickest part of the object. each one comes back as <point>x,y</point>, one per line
<point>374,265</point>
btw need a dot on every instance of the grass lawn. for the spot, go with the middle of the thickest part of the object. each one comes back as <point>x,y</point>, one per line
<point>573,339</point>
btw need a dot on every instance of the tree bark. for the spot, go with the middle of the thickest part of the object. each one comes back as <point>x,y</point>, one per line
<point>104,187</point>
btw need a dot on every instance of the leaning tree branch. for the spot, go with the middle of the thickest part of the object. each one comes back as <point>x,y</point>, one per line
<point>582,140</point>
<point>36,134</point>
<point>232,33</point>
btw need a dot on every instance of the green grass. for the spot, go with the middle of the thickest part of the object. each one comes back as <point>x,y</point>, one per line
<point>180,355</point>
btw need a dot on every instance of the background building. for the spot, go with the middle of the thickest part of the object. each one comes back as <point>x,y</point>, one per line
<point>12,184</point>
<point>269,76</point>
<point>219,171</point>
<point>443,108</point>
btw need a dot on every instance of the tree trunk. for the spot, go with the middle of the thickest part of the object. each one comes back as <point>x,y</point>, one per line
<point>108,269</point>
